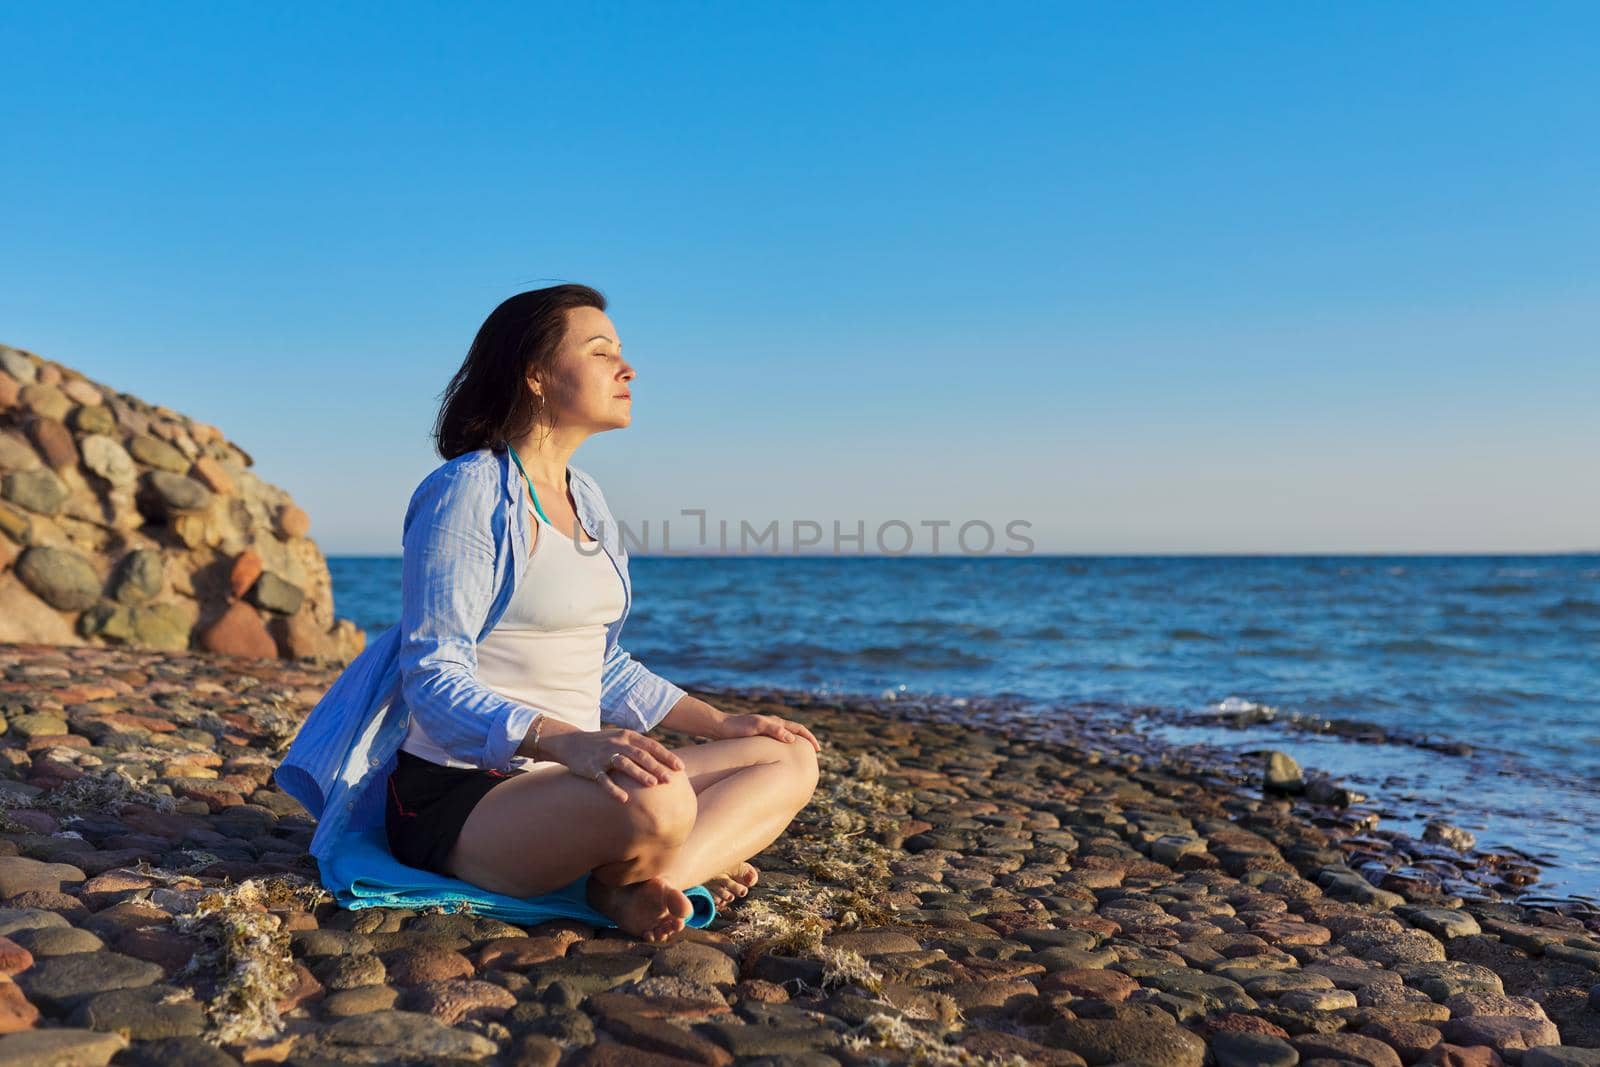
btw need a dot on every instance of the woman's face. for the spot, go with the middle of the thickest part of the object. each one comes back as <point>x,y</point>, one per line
<point>589,385</point>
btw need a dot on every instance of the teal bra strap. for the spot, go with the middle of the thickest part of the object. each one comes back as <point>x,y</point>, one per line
<point>529,480</point>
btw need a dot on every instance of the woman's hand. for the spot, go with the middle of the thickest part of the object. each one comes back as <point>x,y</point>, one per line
<point>597,754</point>
<point>765,725</point>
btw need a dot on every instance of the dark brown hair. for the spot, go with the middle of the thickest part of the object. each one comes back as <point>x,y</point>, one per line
<point>487,403</point>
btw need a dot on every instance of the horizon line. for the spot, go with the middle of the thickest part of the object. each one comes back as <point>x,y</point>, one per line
<point>1357,554</point>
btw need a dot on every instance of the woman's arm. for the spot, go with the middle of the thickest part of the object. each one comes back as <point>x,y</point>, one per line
<point>631,695</point>
<point>447,587</point>
<point>695,717</point>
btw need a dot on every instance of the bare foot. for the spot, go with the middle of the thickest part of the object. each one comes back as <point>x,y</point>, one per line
<point>734,883</point>
<point>651,910</point>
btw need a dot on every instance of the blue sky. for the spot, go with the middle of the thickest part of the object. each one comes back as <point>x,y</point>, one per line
<point>1151,277</point>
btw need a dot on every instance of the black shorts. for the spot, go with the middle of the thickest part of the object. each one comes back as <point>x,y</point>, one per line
<point>427,806</point>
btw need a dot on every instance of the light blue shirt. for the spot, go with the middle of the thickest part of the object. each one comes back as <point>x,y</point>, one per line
<point>466,541</point>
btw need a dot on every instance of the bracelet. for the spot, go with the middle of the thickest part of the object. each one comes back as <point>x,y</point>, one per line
<point>538,724</point>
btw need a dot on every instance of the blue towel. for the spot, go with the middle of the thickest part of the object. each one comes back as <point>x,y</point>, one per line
<point>362,873</point>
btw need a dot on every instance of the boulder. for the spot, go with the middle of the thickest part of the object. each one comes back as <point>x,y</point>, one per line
<point>96,483</point>
<point>239,631</point>
<point>39,491</point>
<point>61,578</point>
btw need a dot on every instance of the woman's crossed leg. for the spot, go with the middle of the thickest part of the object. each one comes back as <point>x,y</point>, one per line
<point>538,831</point>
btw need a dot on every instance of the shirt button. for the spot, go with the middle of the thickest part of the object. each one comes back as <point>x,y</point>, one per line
<point>372,762</point>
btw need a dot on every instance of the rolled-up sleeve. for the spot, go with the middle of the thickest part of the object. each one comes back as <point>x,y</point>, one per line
<point>631,695</point>
<point>447,588</point>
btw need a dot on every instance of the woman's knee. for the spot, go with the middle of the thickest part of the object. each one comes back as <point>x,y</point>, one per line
<point>803,761</point>
<point>661,815</point>
<point>799,759</point>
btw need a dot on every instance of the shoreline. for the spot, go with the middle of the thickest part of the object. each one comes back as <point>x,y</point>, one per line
<point>1196,740</point>
<point>957,892</point>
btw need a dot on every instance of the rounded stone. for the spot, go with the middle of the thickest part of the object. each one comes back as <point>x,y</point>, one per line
<point>17,454</point>
<point>313,943</point>
<point>83,391</point>
<point>1395,949</point>
<point>92,419</point>
<point>1233,1049</point>
<point>138,577</point>
<point>24,369</point>
<point>108,459</point>
<point>39,491</point>
<point>1466,1005</point>
<point>163,626</point>
<point>1503,1033</point>
<point>54,442</point>
<point>206,469</point>
<point>515,953</point>
<point>350,972</point>
<point>456,1000</point>
<point>146,1014</point>
<point>1313,1000</point>
<point>1410,1039</point>
<point>246,569</point>
<point>1561,1056</point>
<point>413,966</point>
<point>1112,987</point>
<point>58,941</point>
<point>1352,1048</point>
<point>79,1048</point>
<point>359,1001</point>
<point>64,981</point>
<point>154,452</point>
<point>112,622</point>
<point>175,1052</point>
<point>1445,1054</point>
<point>177,492</point>
<point>275,594</point>
<point>45,400</point>
<point>1104,1041</point>
<point>239,631</point>
<point>293,521</point>
<point>15,1011</point>
<point>696,962</point>
<point>13,957</point>
<point>420,1036</point>
<point>61,578</point>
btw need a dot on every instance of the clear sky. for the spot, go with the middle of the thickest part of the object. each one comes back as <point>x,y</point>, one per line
<point>1151,277</point>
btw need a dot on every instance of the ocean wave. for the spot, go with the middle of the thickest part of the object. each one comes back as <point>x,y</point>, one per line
<point>969,630</point>
<point>1421,646</point>
<point>922,657</point>
<point>1572,608</point>
<point>1283,652</point>
<point>1191,635</point>
<point>1501,589</point>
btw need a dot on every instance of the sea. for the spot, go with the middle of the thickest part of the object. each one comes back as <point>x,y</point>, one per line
<point>1465,688</point>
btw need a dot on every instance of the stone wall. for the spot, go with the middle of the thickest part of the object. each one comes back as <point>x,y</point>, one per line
<point>123,522</point>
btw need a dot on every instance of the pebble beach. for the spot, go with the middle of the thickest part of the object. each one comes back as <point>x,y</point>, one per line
<point>963,889</point>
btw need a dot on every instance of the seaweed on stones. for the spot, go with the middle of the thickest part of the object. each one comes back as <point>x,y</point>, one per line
<point>890,1032</point>
<point>848,869</point>
<point>246,954</point>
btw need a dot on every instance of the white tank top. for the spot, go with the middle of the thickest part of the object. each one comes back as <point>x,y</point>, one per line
<point>547,649</point>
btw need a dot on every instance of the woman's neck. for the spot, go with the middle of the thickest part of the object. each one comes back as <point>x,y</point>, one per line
<point>545,457</point>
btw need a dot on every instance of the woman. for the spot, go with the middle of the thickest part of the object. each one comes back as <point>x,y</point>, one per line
<point>523,761</point>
